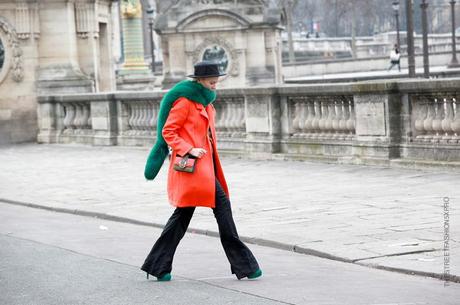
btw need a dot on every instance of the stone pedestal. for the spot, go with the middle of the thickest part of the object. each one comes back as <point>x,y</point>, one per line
<point>378,127</point>
<point>104,121</point>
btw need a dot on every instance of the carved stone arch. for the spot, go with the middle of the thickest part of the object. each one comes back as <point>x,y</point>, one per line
<point>13,52</point>
<point>232,69</point>
<point>182,25</point>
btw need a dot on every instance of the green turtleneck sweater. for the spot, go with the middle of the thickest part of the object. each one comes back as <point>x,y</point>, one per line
<point>191,90</point>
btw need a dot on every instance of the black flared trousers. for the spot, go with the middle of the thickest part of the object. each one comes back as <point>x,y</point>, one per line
<point>242,261</point>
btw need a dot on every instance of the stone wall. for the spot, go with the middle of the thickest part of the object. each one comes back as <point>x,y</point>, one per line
<point>407,121</point>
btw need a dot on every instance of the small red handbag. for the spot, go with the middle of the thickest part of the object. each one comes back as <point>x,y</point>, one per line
<point>185,163</point>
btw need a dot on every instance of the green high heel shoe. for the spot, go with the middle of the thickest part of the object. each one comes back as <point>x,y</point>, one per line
<point>255,274</point>
<point>164,278</point>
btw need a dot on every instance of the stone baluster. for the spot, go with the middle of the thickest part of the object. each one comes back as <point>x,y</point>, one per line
<point>147,117</point>
<point>336,119</point>
<point>144,117</point>
<point>130,118</point>
<point>446,122</point>
<point>86,116</point>
<point>82,118</point>
<point>330,118</point>
<point>316,118</point>
<point>296,119</point>
<point>147,111</point>
<point>135,126</point>
<point>138,118</point>
<point>302,117</point>
<point>308,125</point>
<point>428,122</point>
<point>69,110</point>
<point>154,116</point>
<point>420,112</point>
<point>342,121</point>
<point>323,120</point>
<point>242,118</point>
<point>346,118</point>
<point>78,121</point>
<point>436,124</point>
<point>351,121</point>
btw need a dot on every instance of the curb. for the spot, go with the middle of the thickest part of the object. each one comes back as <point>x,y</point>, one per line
<point>249,240</point>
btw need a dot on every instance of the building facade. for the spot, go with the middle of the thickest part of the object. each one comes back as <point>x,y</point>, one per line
<point>49,47</point>
<point>244,37</point>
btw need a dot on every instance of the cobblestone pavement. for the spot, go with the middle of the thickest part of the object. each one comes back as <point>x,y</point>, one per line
<point>377,216</point>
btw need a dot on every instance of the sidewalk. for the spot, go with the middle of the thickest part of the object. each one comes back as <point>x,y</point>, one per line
<point>389,218</point>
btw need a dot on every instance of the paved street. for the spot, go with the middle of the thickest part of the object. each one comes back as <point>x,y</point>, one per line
<point>55,258</point>
<point>383,217</point>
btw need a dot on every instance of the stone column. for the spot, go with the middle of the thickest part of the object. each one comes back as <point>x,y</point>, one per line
<point>134,70</point>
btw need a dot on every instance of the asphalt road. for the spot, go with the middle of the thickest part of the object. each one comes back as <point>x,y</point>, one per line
<point>54,258</point>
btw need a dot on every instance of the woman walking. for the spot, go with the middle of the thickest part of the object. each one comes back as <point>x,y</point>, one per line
<point>186,123</point>
<point>395,58</point>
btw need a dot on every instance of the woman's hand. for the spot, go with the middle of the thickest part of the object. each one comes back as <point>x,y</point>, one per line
<point>197,152</point>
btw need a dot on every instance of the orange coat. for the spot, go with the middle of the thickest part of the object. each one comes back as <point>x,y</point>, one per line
<point>187,127</point>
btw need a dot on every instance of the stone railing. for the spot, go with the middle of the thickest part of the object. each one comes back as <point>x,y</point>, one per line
<point>369,122</point>
<point>436,119</point>
<point>329,117</point>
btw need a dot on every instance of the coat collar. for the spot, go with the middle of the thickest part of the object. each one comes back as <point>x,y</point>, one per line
<point>202,110</point>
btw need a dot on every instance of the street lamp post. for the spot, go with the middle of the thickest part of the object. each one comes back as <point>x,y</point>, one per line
<point>454,62</point>
<point>410,38</point>
<point>150,13</point>
<point>426,63</point>
<point>395,5</point>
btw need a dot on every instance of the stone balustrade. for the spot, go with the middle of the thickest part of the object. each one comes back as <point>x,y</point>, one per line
<point>436,118</point>
<point>379,122</point>
<point>329,117</point>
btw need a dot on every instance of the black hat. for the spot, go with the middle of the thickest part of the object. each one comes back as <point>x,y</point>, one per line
<point>206,69</point>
